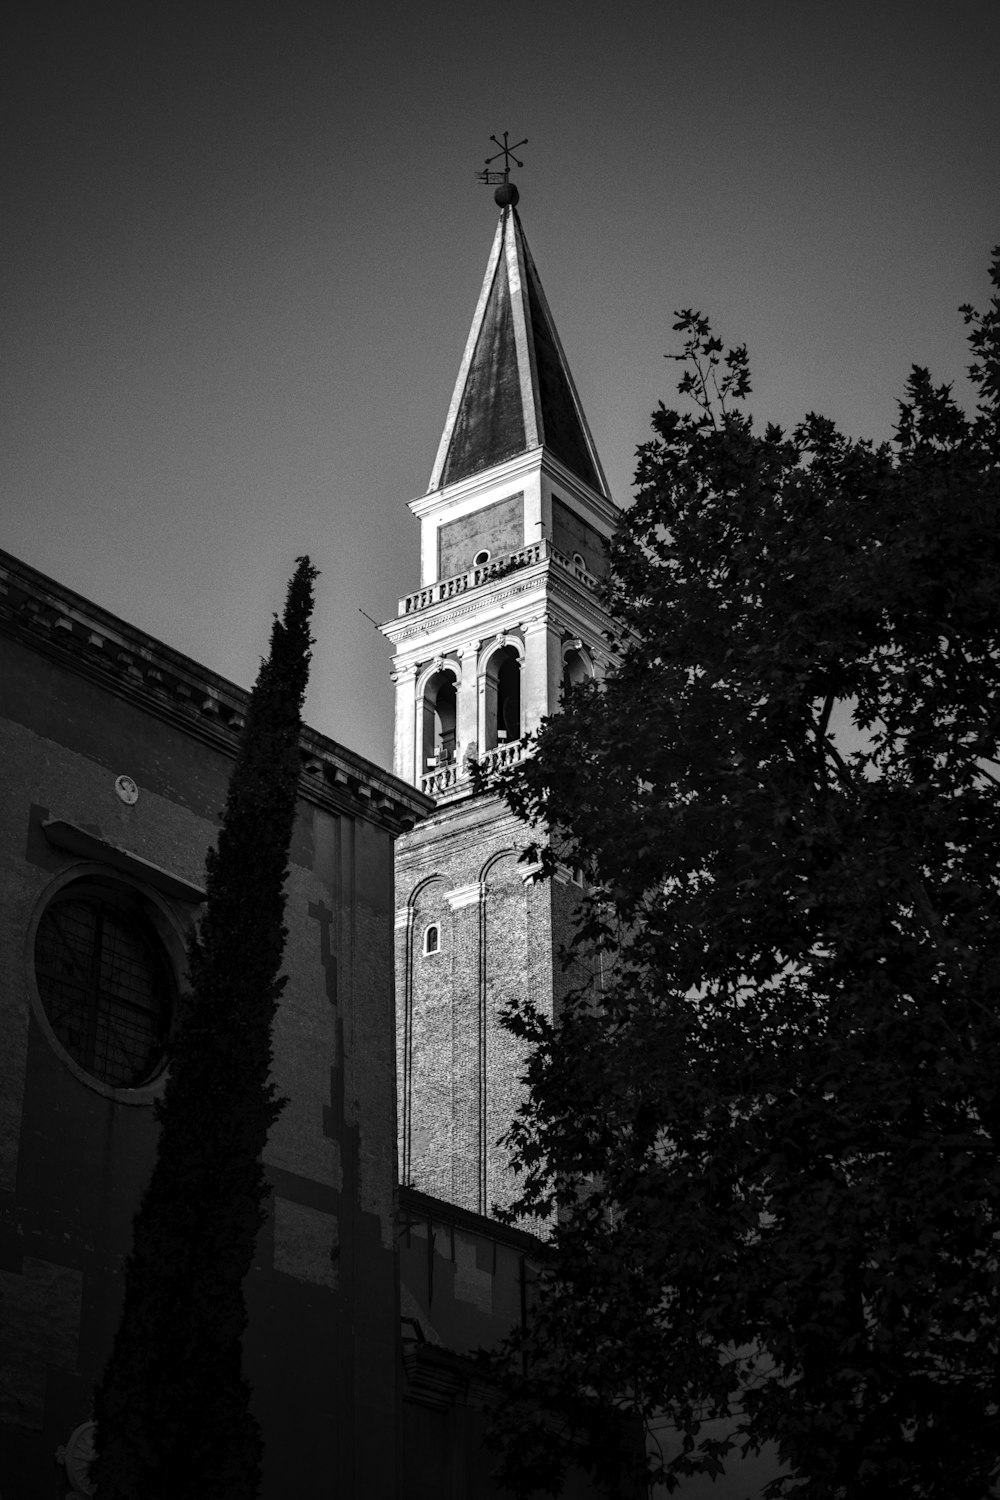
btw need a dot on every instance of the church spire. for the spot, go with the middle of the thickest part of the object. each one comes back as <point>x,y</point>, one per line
<point>509,611</point>
<point>514,391</point>
<point>517,489</point>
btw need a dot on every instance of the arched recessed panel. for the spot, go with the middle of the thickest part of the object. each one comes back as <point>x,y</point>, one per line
<point>578,665</point>
<point>507,975</point>
<point>423,1034</point>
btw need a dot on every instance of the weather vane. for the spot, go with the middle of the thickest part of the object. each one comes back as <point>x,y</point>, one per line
<point>506,193</point>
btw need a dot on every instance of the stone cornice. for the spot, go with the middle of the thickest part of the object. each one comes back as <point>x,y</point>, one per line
<point>86,845</point>
<point>415,1205</point>
<point>439,618</point>
<point>434,618</point>
<point>499,475</point>
<point>465,895</point>
<point>46,617</point>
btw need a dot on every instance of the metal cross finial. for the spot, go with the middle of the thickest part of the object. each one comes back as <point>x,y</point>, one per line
<point>507,152</point>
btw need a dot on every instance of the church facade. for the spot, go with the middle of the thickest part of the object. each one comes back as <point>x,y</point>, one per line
<point>115,754</point>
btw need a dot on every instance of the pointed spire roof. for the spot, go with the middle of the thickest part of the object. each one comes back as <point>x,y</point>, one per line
<point>514,390</point>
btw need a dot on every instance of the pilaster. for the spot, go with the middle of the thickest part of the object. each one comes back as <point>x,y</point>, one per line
<point>541,645</point>
<point>468,703</point>
<point>468,1072</point>
<point>405,738</point>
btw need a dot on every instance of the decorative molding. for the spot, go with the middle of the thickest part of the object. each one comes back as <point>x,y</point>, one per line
<point>73,840</point>
<point>426,670</point>
<point>52,620</point>
<point>435,1377</point>
<point>500,642</point>
<point>439,620</point>
<point>465,895</point>
<point>473,608</point>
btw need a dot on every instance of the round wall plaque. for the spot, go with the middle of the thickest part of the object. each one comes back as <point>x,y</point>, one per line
<point>127,790</point>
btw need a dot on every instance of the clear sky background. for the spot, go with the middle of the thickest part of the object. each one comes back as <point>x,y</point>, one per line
<point>243,245</point>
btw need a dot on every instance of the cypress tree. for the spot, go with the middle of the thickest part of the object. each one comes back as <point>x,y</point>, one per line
<point>173,1408</point>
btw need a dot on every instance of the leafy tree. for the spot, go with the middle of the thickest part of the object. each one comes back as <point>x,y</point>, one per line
<point>172,1409</point>
<point>770,1144</point>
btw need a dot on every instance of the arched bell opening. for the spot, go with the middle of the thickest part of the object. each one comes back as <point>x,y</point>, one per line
<point>503,698</point>
<point>577,666</point>
<point>439,721</point>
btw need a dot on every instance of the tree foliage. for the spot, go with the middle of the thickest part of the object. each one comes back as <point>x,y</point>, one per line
<point>172,1409</point>
<point>771,1142</point>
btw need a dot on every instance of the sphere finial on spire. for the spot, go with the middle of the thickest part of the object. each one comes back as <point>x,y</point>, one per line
<point>506,195</point>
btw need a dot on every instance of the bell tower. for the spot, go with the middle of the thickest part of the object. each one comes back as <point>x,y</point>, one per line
<point>511,554</point>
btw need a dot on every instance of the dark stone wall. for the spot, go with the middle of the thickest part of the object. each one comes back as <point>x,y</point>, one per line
<point>322,1347</point>
<point>465,1285</point>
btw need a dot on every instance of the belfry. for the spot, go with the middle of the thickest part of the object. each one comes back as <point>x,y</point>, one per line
<point>511,553</point>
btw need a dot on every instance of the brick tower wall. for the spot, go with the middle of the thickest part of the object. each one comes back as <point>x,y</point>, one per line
<point>499,933</point>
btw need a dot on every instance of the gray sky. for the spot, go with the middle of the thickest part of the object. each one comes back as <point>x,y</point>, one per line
<point>243,244</point>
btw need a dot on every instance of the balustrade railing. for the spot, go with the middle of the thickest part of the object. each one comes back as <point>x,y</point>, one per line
<point>503,756</point>
<point>448,588</point>
<point>436,783</point>
<point>454,779</point>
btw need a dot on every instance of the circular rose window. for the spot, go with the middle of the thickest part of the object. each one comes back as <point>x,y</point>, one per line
<point>105,982</point>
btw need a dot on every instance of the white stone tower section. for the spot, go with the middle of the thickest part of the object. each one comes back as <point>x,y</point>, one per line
<point>512,532</point>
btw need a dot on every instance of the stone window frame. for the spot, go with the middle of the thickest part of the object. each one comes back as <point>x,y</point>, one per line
<point>427,950</point>
<point>172,939</point>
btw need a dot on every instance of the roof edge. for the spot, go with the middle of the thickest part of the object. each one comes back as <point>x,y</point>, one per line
<point>527,300</point>
<point>470,349</point>
<point>50,618</point>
